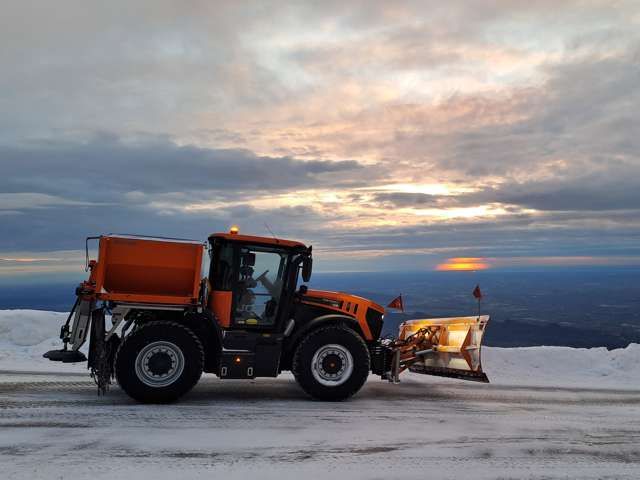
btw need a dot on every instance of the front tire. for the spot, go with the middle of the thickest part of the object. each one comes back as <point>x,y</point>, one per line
<point>159,362</point>
<point>331,363</point>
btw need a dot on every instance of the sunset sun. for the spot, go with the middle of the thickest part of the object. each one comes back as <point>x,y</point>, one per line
<point>463,264</point>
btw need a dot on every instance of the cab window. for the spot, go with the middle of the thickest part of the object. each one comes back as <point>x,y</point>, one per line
<point>259,284</point>
<point>221,273</point>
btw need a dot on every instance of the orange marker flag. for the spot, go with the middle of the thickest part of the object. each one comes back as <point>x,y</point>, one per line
<point>477,293</point>
<point>397,303</point>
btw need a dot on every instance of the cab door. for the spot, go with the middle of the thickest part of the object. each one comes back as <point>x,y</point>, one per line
<point>252,287</point>
<point>260,280</point>
<point>249,285</point>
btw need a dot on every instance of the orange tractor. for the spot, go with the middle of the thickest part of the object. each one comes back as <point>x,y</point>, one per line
<point>248,318</point>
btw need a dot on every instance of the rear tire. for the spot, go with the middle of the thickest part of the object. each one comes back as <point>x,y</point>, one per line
<point>331,363</point>
<point>159,362</point>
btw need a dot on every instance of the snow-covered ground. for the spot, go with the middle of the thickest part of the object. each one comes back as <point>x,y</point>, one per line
<point>550,412</point>
<point>26,334</point>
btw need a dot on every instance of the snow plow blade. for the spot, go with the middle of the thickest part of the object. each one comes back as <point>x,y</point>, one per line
<point>445,347</point>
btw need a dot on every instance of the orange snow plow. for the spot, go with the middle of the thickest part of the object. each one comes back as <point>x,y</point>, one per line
<point>447,347</point>
<point>246,316</point>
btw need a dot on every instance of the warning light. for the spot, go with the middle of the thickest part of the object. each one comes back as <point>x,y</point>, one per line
<point>234,230</point>
<point>238,359</point>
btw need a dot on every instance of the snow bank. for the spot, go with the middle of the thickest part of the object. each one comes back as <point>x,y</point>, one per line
<point>29,327</point>
<point>26,334</point>
<point>564,366</point>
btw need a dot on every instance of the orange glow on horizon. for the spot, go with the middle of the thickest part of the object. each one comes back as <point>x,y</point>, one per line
<point>26,260</point>
<point>463,264</point>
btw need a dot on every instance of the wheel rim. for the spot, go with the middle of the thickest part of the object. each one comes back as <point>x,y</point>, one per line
<point>332,365</point>
<point>159,364</point>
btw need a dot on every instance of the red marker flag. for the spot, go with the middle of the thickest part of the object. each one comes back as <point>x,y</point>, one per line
<point>397,303</point>
<point>477,293</point>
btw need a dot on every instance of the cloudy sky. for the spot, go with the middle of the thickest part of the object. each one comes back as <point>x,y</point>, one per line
<point>389,135</point>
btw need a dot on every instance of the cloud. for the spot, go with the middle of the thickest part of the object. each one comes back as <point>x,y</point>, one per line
<point>606,189</point>
<point>315,117</point>
<point>104,167</point>
<point>18,201</point>
<point>64,191</point>
<point>17,263</point>
<point>407,199</point>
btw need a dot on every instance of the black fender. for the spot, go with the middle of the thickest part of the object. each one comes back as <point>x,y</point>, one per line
<point>208,331</point>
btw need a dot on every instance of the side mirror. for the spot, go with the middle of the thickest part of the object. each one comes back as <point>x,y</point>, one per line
<point>307,267</point>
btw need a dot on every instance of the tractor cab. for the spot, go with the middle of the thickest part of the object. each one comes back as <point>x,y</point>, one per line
<point>252,280</point>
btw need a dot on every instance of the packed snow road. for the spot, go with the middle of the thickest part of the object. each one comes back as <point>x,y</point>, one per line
<point>55,426</point>
<point>550,412</point>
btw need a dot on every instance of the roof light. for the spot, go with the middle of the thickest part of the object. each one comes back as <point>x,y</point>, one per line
<point>234,230</point>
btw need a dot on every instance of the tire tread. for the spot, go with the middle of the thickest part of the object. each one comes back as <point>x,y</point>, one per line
<point>298,371</point>
<point>163,323</point>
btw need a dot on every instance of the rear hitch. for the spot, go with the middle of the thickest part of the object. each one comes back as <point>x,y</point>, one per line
<point>66,334</point>
<point>83,318</point>
<point>65,356</point>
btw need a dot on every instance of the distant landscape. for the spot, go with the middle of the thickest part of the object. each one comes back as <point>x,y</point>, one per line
<point>578,308</point>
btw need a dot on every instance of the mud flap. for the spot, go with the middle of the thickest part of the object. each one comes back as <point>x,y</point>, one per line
<point>101,352</point>
<point>445,347</point>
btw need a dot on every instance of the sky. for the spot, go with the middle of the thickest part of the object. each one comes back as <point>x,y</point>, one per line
<point>390,135</point>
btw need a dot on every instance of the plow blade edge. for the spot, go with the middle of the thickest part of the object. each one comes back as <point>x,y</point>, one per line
<point>446,347</point>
